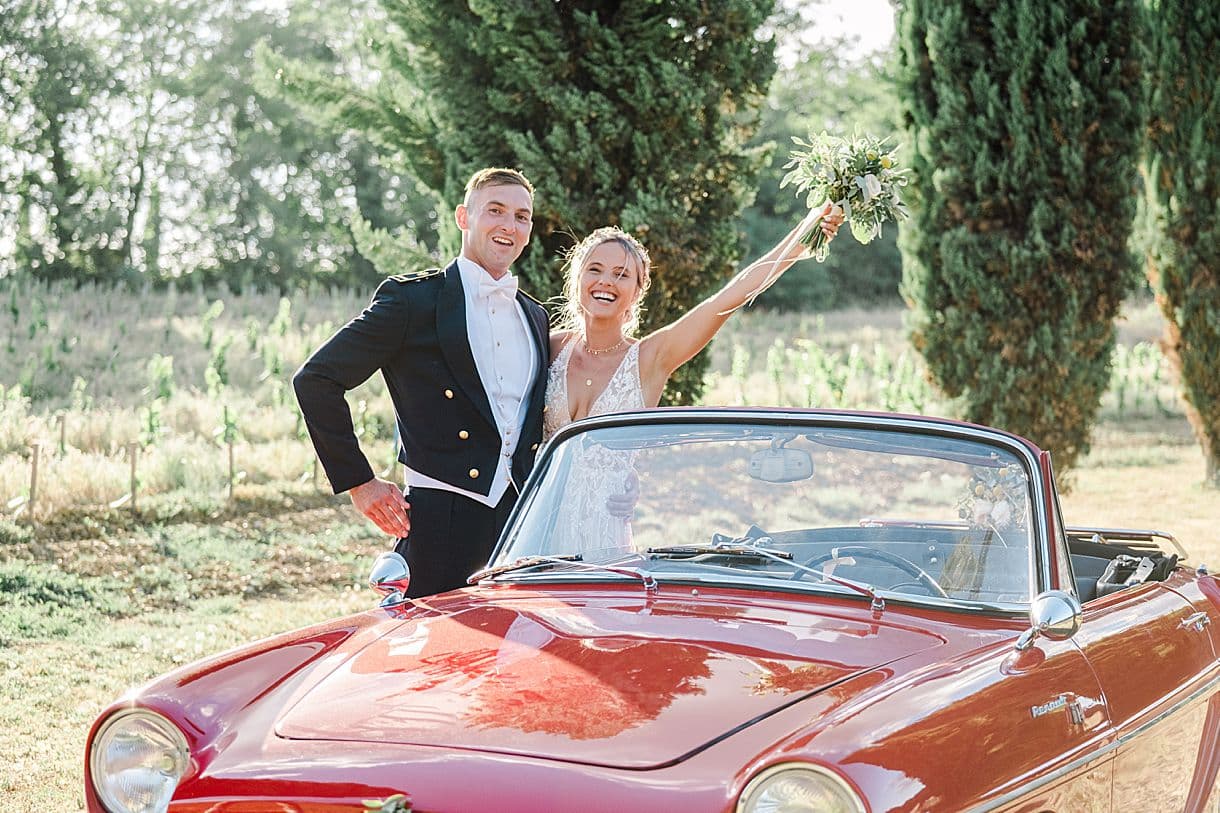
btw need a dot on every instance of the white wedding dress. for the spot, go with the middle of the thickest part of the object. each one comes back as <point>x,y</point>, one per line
<point>598,473</point>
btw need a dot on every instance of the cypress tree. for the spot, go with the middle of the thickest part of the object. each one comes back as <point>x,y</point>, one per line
<point>622,113</point>
<point>1025,122</point>
<point>1183,205</point>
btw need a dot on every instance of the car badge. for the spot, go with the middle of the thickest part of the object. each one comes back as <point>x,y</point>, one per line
<point>1063,701</point>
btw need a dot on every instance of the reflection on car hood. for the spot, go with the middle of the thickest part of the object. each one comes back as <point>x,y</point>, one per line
<point>611,679</point>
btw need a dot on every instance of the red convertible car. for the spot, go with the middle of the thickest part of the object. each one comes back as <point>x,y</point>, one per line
<point>801,611</point>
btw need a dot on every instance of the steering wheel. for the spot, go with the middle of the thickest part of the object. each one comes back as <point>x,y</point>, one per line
<point>877,555</point>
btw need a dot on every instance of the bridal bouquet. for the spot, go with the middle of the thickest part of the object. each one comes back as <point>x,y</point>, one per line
<point>858,174</point>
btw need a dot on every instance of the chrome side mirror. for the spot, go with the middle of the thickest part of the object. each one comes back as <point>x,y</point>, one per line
<point>1054,615</point>
<point>390,577</point>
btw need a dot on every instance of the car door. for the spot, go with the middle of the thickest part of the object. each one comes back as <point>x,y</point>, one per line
<point>1154,663</point>
<point>1203,592</point>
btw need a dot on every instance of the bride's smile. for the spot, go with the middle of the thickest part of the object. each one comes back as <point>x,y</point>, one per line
<point>609,282</point>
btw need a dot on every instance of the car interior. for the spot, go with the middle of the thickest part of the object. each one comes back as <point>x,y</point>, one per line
<point>966,563</point>
<point>1105,561</point>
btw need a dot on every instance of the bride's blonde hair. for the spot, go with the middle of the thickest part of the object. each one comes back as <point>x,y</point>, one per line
<point>570,315</point>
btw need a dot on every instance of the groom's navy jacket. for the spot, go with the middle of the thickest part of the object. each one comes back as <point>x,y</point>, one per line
<point>414,331</point>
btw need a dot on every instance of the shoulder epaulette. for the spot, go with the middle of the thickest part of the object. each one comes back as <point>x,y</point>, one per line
<point>416,276</point>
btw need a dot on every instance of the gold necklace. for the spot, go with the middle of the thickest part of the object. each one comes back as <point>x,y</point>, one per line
<point>604,350</point>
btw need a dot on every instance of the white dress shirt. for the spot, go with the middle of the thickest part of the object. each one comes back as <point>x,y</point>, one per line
<point>507,361</point>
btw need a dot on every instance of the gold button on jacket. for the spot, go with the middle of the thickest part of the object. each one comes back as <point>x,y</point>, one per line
<point>463,434</point>
<point>448,393</point>
<point>474,474</point>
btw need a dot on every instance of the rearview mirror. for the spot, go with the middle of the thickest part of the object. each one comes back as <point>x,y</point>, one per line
<point>390,577</point>
<point>781,465</point>
<point>1054,615</point>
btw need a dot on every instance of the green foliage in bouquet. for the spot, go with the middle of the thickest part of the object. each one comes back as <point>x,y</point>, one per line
<point>1025,122</point>
<point>628,114</point>
<point>1182,210</point>
<point>860,175</point>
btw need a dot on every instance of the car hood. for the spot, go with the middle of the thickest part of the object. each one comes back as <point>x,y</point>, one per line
<point>611,679</point>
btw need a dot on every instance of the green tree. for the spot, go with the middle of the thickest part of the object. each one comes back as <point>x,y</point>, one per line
<point>52,78</point>
<point>1183,205</point>
<point>824,91</point>
<point>280,198</point>
<point>135,145</point>
<point>1026,121</point>
<point>626,113</point>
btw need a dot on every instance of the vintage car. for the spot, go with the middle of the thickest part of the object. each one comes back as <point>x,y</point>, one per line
<point>726,610</point>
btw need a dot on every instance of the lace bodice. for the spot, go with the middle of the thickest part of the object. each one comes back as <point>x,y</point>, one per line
<point>602,473</point>
<point>623,391</point>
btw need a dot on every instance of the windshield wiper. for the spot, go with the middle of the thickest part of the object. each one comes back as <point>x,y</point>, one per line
<point>572,559</point>
<point>731,549</point>
<point>749,546</point>
<point>518,564</point>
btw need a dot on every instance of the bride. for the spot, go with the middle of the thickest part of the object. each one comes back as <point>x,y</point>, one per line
<point>599,367</point>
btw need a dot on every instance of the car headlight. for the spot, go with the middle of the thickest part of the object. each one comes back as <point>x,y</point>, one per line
<point>798,788</point>
<point>136,761</point>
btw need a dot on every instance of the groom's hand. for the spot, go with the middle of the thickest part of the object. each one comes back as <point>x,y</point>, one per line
<point>383,503</point>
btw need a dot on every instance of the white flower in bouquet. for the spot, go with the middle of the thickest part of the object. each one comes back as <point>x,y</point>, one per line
<point>859,175</point>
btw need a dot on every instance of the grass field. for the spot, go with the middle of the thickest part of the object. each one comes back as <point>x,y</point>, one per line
<point>96,599</point>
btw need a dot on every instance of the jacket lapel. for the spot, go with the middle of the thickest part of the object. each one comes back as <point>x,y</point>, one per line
<point>455,341</point>
<point>540,333</point>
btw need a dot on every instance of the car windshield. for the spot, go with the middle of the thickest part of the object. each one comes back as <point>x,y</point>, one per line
<point>899,513</point>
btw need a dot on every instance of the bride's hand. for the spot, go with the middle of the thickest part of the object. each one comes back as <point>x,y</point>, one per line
<point>832,219</point>
<point>623,505</point>
<point>829,218</point>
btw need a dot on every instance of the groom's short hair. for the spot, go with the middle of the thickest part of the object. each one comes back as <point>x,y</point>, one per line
<point>498,176</point>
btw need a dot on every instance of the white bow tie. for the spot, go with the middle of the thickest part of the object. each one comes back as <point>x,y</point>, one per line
<point>505,285</point>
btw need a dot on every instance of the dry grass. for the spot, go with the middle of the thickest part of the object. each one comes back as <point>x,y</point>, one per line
<point>87,372</point>
<point>1148,474</point>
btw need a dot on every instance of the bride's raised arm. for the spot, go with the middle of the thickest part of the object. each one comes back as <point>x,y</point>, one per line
<point>670,347</point>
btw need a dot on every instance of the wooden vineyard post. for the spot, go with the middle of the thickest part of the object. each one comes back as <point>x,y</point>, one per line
<point>35,452</point>
<point>133,450</point>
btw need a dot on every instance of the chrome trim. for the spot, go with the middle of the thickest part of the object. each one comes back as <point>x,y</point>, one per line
<point>1125,535</point>
<point>1101,753</point>
<point>1186,701</point>
<point>1197,621</point>
<point>1075,712</point>
<point>810,767</point>
<point>1040,565</point>
<point>99,770</point>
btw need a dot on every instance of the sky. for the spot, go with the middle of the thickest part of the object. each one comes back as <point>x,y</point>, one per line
<point>869,21</point>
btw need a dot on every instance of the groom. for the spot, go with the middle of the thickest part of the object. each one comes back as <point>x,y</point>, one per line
<point>464,356</point>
